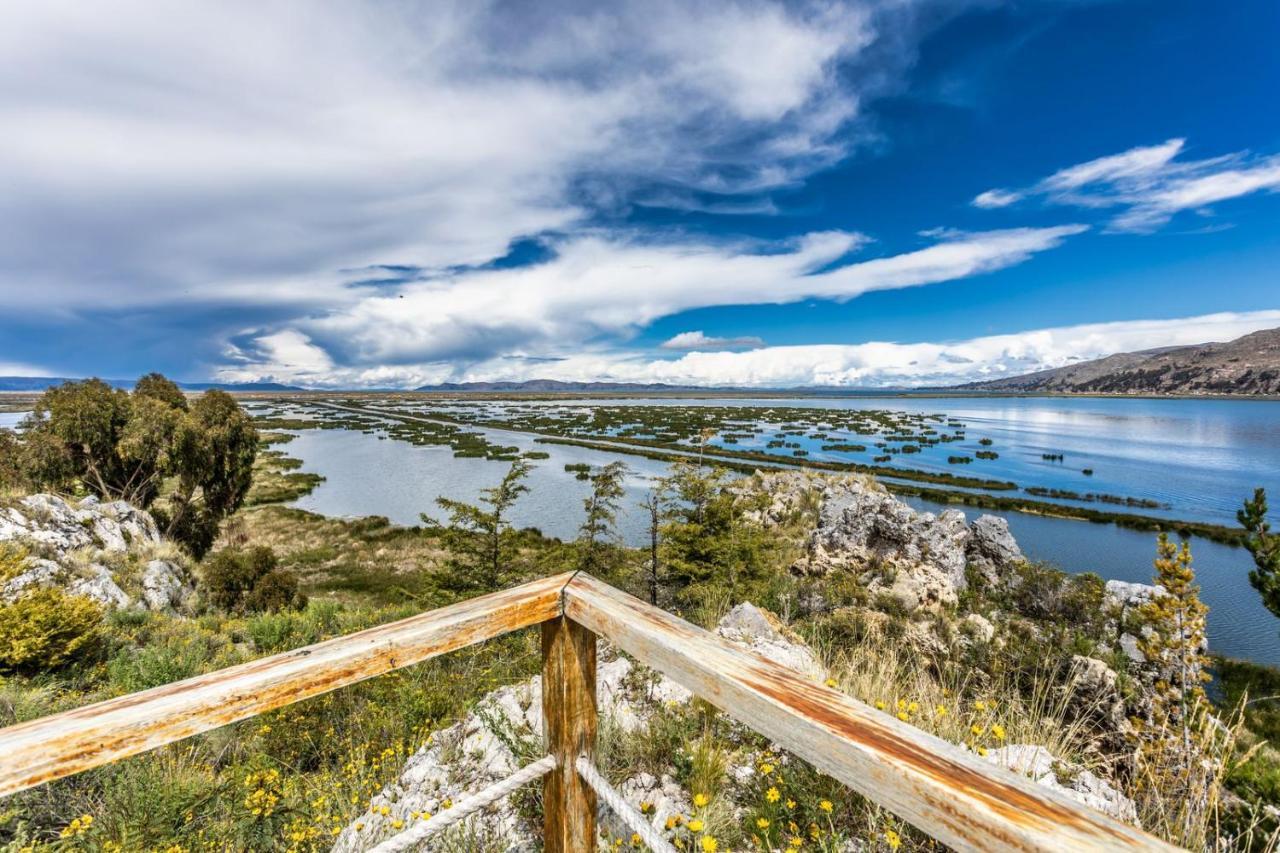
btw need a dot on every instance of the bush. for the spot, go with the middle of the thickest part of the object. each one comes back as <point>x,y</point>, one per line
<point>276,590</point>
<point>250,581</point>
<point>45,628</point>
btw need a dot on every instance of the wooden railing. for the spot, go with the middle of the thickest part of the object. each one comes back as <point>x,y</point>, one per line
<point>943,790</point>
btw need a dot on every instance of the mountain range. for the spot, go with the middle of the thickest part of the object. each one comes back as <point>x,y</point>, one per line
<point>1246,366</point>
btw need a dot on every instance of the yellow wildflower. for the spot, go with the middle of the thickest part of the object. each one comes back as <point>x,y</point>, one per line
<point>826,806</point>
<point>892,839</point>
<point>695,825</point>
<point>766,768</point>
<point>762,822</point>
<point>772,795</point>
<point>700,800</point>
<point>997,731</point>
<point>831,682</point>
<point>709,844</point>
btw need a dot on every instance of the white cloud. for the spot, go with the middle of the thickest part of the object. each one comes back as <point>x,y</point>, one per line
<point>996,198</point>
<point>17,368</point>
<point>595,286</point>
<point>246,153</point>
<point>867,365</point>
<point>1150,184</point>
<point>697,340</point>
<point>885,363</point>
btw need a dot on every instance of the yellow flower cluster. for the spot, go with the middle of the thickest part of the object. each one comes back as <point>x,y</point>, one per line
<point>78,826</point>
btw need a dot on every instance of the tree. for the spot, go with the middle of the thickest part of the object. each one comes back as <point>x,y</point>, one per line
<point>11,468</point>
<point>656,506</point>
<point>158,387</point>
<point>477,534</point>
<point>122,446</point>
<point>598,536</point>
<point>1264,546</point>
<point>1175,746</point>
<point>708,535</point>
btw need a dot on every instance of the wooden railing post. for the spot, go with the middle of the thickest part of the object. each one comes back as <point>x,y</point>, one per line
<point>569,712</point>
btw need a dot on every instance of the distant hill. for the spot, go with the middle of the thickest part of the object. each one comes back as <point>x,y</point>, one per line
<point>1247,366</point>
<point>40,383</point>
<point>553,385</point>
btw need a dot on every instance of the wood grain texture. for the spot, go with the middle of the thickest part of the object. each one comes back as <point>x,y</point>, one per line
<point>569,709</point>
<point>52,747</point>
<point>946,792</point>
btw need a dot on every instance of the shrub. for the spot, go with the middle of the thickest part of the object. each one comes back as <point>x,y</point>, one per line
<point>45,628</point>
<point>276,590</point>
<point>249,581</point>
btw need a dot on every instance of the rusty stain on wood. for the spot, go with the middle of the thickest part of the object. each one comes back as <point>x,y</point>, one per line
<point>946,792</point>
<point>42,750</point>
<point>570,715</point>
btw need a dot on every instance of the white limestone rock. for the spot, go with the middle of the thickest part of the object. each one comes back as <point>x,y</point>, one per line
<point>1076,782</point>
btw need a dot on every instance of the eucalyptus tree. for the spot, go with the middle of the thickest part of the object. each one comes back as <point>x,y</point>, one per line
<point>191,465</point>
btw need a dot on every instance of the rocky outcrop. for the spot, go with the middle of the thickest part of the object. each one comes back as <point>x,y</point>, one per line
<point>105,551</point>
<point>1072,780</point>
<point>504,732</point>
<point>991,549</point>
<point>1093,697</point>
<point>917,558</point>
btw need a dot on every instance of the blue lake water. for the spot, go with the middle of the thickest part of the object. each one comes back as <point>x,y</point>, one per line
<point>1198,459</point>
<point>371,476</point>
<point>1201,456</point>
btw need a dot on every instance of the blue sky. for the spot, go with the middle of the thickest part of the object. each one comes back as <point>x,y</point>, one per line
<point>861,193</point>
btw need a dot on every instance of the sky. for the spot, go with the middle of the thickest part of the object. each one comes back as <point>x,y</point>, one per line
<point>867,193</point>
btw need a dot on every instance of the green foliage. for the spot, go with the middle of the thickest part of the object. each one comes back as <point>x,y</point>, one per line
<point>598,538</point>
<point>708,537</point>
<point>156,386</point>
<point>249,581</point>
<point>1265,548</point>
<point>478,536</point>
<point>46,628</point>
<point>12,474</point>
<point>124,446</point>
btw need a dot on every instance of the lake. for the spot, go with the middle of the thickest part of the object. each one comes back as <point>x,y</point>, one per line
<point>366,475</point>
<point>1202,456</point>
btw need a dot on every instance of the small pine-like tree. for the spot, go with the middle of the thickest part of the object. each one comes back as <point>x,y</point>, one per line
<point>598,536</point>
<point>1176,753</point>
<point>476,535</point>
<point>1265,548</point>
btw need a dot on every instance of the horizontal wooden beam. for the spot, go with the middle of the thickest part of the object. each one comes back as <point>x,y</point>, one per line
<point>951,794</point>
<point>52,747</point>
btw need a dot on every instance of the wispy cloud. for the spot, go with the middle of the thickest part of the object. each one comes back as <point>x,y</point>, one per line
<point>697,340</point>
<point>1149,183</point>
<point>596,286</point>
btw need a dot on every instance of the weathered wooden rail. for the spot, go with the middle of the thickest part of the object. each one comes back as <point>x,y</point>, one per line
<point>945,791</point>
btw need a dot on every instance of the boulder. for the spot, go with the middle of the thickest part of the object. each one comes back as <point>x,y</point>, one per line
<point>164,586</point>
<point>98,583</point>
<point>763,633</point>
<point>1093,696</point>
<point>1076,782</point>
<point>991,549</point>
